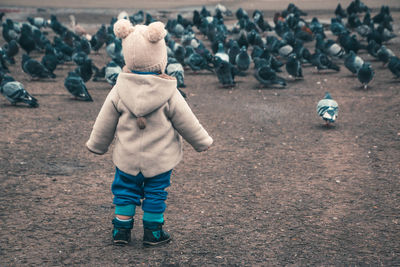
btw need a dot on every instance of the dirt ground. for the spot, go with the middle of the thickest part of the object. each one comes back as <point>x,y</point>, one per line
<point>278,188</point>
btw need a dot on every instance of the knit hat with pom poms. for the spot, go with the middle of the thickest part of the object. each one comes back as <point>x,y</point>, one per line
<point>143,46</point>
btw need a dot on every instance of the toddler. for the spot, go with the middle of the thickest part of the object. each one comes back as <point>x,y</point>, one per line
<point>148,117</point>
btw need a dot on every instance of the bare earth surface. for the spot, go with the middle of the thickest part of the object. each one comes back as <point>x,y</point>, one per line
<point>277,188</point>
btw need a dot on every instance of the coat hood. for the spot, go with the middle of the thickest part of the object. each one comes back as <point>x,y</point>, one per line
<point>142,94</point>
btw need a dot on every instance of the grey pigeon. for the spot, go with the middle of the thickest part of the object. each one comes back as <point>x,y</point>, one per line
<point>293,67</point>
<point>10,49</point>
<point>328,109</point>
<point>15,92</point>
<point>384,54</point>
<point>267,77</point>
<point>394,66</point>
<point>242,59</point>
<point>50,60</point>
<point>353,62</point>
<point>85,70</point>
<point>75,85</point>
<point>234,49</point>
<point>34,68</point>
<point>365,74</point>
<point>323,62</point>
<point>225,72</point>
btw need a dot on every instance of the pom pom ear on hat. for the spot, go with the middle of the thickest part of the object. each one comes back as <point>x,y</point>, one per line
<point>122,28</point>
<point>156,31</point>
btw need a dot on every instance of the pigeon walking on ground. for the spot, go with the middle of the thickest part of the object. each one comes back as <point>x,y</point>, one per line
<point>394,66</point>
<point>267,77</point>
<point>353,62</point>
<point>15,92</point>
<point>49,60</point>
<point>225,72</point>
<point>10,49</point>
<point>111,72</point>
<point>75,85</point>
<point>34,68</point>
<point>365,74</point>
<point>175,69</point>
<point>328,109</point>
<point>243,60</point>
<point>85,70</point>
<point>293,67</point>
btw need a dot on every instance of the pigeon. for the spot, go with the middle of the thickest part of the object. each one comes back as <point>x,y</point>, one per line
<point>365,74</point>
<point>26,40</point>
<point>316,27</point>
<point>49,60</point>
<point>339,11</point>
<point>111,72</point>
<point>243,60</point>
<point>85,70</point>
<point>350,43</point>
<point>99,74</point>
<point>114,51</point>
<point>384,54</point>
<point>257,52</point>
<point>293,67</point>
<point>394,66</point>
<point>353,21</point>
<point>34,68</point>
<point>3,63</point>
<point>373,48</point>
<point>10,31</point>
<point>76,86</point>
<point>262,24</point>
<point>234,49</point>
<point>337,27</point>
<point>63,49</point>
<point>221,53</point>
<point>333,49</point>
<point>267,77</point>
<point>254,38</point>
<point>225,72</point>
<point>285,50</point>
<point>196,61</point>
<point>175,69</point>
<point>79,57</point>
<point>11,49</point>
<point>353,62</point>
<point>322,61</point>
<point>99,38</point>
<point>328,109</point>
<point>57,26</point>
<point>302,53</point>
<point>15,92</point>
<point>356,6</point>
<point>137,18</point>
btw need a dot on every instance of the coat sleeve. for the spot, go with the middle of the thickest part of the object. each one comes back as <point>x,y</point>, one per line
<point>104,128</point>
<point>186,123</point>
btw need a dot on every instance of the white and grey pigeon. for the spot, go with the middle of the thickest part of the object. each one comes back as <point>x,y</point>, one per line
<point>175,69</point>
<point>328,109</point>
<point>112,71</point>
<point>221,53</point>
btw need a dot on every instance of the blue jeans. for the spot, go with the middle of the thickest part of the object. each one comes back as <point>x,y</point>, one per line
<point>130,189</point>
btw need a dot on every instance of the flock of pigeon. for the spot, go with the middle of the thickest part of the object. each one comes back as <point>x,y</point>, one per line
<point>227,53</point>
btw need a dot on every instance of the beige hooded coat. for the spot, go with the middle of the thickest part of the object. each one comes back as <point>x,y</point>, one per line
<point>158,147</point>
